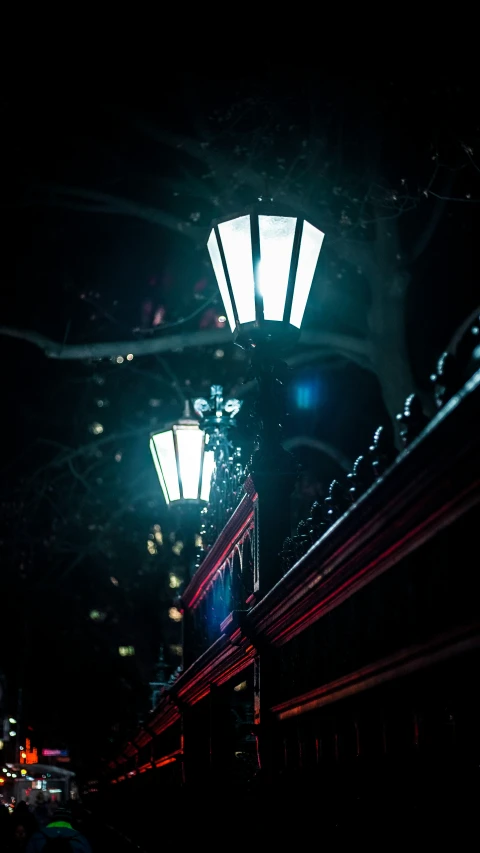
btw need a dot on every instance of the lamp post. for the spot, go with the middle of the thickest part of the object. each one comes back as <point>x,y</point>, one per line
<point>185,455</point>
<point>264,262</point>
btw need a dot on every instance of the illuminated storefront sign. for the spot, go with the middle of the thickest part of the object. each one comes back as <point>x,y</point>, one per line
<point>29,755</point>
<point>55,753</point>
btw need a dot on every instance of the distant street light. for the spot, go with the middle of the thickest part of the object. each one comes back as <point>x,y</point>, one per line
<point>185,457</point>
<point>183,462</point>
<point>264,262</point>
<point>185,454</point>
<point>12,721</point>
<point>12,734</point>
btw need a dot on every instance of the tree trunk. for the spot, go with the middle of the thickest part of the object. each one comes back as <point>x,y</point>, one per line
<point>387,334</point>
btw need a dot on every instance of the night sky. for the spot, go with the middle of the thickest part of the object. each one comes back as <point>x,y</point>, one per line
<point>106,206</point>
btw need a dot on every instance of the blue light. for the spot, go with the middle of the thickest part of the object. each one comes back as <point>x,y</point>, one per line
<point>306,393</point>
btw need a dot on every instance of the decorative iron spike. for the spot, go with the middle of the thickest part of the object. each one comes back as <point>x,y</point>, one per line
<point>336,502</point>
<point>447,380</point>
<point>361,478</point>
<point>468,351</point>
<point>382,451</point>
<point>316,522</point>
<point>454,369</point>
<point>413,419</point>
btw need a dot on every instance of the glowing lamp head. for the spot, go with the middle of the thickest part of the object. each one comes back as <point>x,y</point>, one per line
<point>264,263</point>
<point>183,462</point>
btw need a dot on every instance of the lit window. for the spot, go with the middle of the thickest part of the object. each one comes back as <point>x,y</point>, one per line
<point>175,614</point>
<point>126,651</point>
<point>97,616</point>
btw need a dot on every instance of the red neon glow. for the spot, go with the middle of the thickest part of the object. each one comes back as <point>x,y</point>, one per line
<point>160,762</point>
<point>401,663</point>
<point>355,582</point>
<point>223,556</point>
<point>29,756</point>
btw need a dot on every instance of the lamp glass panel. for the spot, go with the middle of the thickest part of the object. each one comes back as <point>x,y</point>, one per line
<point>237,246</point>
<point>217,265</point>
<point>166,465</point>
<point>159,470</point>
<point>208,469</point>
<point>310,247</point>
<point>190,452</point>
<point>276,244</point>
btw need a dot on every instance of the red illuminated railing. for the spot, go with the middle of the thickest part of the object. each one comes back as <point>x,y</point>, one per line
<point>224,581</point>
<point>427,489</point>
<point>431,483</point>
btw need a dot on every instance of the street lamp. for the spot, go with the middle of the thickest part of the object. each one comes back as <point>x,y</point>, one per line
<point>264,261</point>
<point>185,454</point>
<point>183,462</point>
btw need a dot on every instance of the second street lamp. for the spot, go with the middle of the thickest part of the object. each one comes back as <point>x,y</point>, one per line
<point>185,456</point>
<point>185,453</point>
<point>183,462</point>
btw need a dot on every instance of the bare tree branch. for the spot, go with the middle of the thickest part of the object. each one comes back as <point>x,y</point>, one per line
<point>93,201</point>
<point>437,213</point>
<point>52,349</point>
<point>349,346</point>
<point>322,447</point>
<point>462,329</point>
